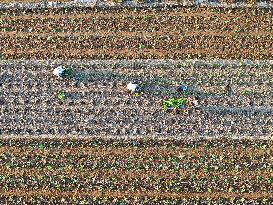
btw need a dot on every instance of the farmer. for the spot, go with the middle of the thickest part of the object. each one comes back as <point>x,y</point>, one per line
<point>133,87</point>
<point>59,71</point>
<point>228,89</point>
<point>182,88</point>
<point>196,101</point>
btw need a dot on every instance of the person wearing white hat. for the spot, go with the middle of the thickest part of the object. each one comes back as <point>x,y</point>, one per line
<point>59,71</point>
<point>133,87</point>
<point>196,101</point>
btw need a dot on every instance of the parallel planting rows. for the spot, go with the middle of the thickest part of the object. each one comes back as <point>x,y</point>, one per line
<point>100,171</point>
<point>234,100</point>
<point>179,32</point>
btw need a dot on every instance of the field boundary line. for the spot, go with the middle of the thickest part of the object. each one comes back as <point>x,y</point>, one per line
<point>108,5</point>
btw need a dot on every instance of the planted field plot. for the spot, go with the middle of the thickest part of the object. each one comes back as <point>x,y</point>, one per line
<point>234,100</point>
<point>173,33</point>
<point>100,171</point>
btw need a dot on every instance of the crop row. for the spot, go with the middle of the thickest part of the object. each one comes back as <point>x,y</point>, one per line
<point>148,23</point>
<point>113,42</point>
<point>187,145</point>
<point>129,200</point>
<point>100,85</point>
<point>107,161</point>
<point>83,54</point>
<point>91,183</point>
<point>252,12</point>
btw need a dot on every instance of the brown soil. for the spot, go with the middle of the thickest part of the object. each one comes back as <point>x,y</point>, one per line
<point>200,33</point>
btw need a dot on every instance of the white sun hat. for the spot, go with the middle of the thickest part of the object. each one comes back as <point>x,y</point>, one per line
<point>133,87</point>
<point>58,71</point>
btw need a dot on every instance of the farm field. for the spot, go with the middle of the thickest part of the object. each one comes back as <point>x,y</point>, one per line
<point>198,132</point>
<point>103,171</point>
<point>170,33</point>
<point>97,103</point>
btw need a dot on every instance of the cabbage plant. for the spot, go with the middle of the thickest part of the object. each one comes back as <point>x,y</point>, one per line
<point>174,103</point>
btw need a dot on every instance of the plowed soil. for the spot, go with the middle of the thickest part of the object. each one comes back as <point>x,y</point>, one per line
<point>175,33</point>
<point>84,169</point>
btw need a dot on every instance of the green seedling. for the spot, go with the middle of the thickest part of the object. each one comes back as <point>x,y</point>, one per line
<point>174,103</point>
<point>61,95</point>
<point>49,167</point>
<point>41,146</point>
<point>141,46</point>
<point>244,92</point>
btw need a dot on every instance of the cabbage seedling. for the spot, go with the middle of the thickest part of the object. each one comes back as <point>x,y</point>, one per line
<point>141,46</point>
<point>174,103</point>
<point>61,95</point>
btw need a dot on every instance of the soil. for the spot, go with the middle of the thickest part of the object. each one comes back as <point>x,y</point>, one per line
<point>94,34</point>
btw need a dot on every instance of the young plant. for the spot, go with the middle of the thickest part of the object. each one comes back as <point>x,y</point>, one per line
<point>61,95</point>
<point>141,46</point>
<point>174,103</point>
<point>244,92</point>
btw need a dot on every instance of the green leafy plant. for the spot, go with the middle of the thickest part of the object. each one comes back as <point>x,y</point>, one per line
<point>141,46</point>
<point>61,95</point>
<point>245,92</point>
<point>174,103</point>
